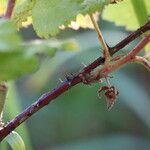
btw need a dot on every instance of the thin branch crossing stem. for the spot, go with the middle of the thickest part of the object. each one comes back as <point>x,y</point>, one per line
<point>101,39</point>
<point>115,65</point>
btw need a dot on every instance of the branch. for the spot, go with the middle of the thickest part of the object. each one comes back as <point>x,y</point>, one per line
<point>101,39</point>
<point>10,8</point>
<point>130,38</point>
<point>143,61</point>
<point>115,65</point>
<point>46,98</point>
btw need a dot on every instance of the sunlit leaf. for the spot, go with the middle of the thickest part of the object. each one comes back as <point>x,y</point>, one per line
<point>55,13</point>
<point>129,13</point>
<point>83,21</point>
<point>22,13</point>
<point>18,58</point>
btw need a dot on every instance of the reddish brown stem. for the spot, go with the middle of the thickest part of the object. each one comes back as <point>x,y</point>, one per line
<point>130,38</point>
<point>10,8</point>
<point>48,97</point>
<point>119,46</point>
<point>115,65</point>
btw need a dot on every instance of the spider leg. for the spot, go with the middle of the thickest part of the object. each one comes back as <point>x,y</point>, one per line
<point>103,88</point>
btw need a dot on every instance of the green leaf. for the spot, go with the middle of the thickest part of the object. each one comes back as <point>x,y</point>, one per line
<point>9,39</point>
<point>91,6</point>
<point>49,15</point>
<point>83,21</point>
<point>141,14</point>
<point>14,64</point>
<point>22,12</point>
<point>15,141</point>
<point>52,14</point>
<point>18,58</point>
<point>14,59</point>
<point>66,11</point>
<point>133,13</point>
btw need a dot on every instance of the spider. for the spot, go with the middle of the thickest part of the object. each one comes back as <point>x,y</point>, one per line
<point>111,94</point>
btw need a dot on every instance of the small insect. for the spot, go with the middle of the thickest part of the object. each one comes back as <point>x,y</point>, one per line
<point>111,94</point>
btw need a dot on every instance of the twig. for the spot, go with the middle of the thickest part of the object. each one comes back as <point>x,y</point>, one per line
<point>130,38</point>
<point>101,39</point>
<point>117,47</point>
<point>10,8</point>
<point>49,96</point>
<point>115,65</point>
<point>143,61</point>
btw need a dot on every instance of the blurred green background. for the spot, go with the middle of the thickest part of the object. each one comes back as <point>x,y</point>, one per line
<point>78,119</point>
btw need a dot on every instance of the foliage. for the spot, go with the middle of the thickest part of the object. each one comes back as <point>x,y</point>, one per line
<point>17,57</point>
<point>136,9</point>
<point>45,22</point>
<point>14,60</point>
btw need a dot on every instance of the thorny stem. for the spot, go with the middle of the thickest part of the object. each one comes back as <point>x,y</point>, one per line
<point>101,39</point>
<point>115,65</point>
<point>46,98</point>
<point>130,38</point>
<point>10,8</point>
<point>117,47</point>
